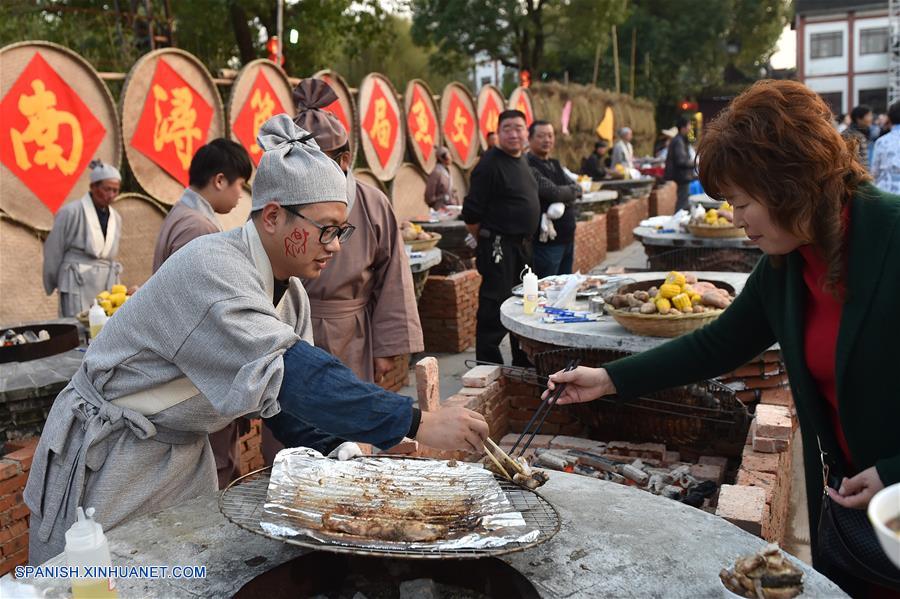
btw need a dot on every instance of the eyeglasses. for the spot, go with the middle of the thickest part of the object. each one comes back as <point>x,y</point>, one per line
<point>327,233</point>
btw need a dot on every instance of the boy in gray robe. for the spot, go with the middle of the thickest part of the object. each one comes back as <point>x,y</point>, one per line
<point>204,341</point>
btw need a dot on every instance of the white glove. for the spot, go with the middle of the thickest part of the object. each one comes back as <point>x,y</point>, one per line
<point>345,451</point>
<point>471,242</point>
<point>556,210</point>
<point>548,231</point>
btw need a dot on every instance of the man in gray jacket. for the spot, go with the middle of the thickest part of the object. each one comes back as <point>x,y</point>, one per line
<point>680,164</point>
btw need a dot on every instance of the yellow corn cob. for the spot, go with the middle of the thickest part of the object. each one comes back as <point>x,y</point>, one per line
<point>663,305</point>
<point>695,298</point>
<point>676,278</point>
<point>682,302</point>
<point>669,290</point>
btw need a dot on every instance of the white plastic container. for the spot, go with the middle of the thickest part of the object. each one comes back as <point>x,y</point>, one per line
<point>882,508</point>
<point>530,291</point>
<point>96,319</point>
<point>86,545</point>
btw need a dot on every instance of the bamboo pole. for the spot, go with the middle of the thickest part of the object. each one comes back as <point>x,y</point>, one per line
<point>596,65</point>
<point>633,57</point>
<point>615,45</point>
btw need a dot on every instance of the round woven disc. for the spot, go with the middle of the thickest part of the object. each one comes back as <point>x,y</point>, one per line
<point>157,181</point>
<point>520,99</point>
<point>408,193</point>
<point>460,180</point>
<point>240,214</point>
<point>24,299</point>
<point>367,176</point>
<point>260,91</point>
<point>347,107</point>
<point>141,220</point>
<point>423,131</point>
<point>78,91</point>
<point>490,105</point>
<point>382,127</point>
<point>459,124</point>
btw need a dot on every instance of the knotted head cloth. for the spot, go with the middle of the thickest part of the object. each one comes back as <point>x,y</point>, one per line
<point>100,171</point>
<point>311,97</point>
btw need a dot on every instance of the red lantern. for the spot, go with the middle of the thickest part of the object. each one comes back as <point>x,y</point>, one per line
<point>272,49</point>
<point>525,79</point>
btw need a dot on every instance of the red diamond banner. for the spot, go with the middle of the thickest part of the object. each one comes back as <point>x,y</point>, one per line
<point>261,104</point>
<point>48,134</point>
<point>525,108</point>
<point>174,123</point>
<point>336,109</point>
<point>380,124</point>
<point>490,114</point>
<point>422,123</point>
<point>459,126</point>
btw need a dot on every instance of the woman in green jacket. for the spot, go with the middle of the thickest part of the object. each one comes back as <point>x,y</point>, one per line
<point>827,290</point>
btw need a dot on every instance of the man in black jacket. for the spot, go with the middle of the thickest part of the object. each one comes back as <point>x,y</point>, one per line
<point>502,212</point>
<point>594,166</point>
<point>554,241</point>
<point>680,165</point>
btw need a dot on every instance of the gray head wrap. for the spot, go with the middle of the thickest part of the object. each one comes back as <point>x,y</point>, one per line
<point>100,171</point>
<point>293,170</point>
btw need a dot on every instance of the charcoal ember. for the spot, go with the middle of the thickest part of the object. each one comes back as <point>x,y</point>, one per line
<point>552,460</point>
<point>672,492</point>
<point>698,494</point>
<point>635,474</point>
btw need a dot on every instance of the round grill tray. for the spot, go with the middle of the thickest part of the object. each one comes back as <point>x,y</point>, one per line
<point>242,504</point>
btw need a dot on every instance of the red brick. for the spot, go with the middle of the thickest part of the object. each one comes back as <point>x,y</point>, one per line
<point>11,485</point>
<point>428,384</point>
<point>767,445</point>
<point>9,469</point>
<point>773,422</point>
<point>760,382</point>
<point>763,480</point>
<point>708,472</point>
<point>747,370</point>
<point>20,512</point>
<point>743,506</point>
<point>779,396</point>
<point>481,376</point>
<point>405,447</point>
<point>25,443</point>
<point>23,456</point>
<point>566,442</point>
<point>716,460</point>
<point>760,462</point>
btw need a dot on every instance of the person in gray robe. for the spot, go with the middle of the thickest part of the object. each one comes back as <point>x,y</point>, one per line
<point>80,252</point>
<point>207,340</point>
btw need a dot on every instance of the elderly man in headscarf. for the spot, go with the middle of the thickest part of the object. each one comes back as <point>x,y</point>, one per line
<point>221,330</point>
<point>80,252</point>
<point>623,152</point>
<point>439,191</point>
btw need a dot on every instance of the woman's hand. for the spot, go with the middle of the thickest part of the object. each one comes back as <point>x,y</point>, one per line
<point>582,384</point>
<point>857,492</point>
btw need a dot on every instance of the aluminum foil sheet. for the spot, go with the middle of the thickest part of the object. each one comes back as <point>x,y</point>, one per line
<point>389,503</point>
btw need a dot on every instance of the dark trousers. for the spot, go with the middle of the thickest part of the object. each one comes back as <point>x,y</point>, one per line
<point>498,279</point>
<point>684,191</point>
<point>553,258</point>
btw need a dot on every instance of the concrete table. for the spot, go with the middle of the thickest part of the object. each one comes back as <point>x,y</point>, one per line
<point>684,251</point>
<point>614,541</point>
<point>420,264</point>
<point>453,237</point>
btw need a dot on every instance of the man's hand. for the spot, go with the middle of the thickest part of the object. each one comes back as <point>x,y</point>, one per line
<point>856,492</point>
<point>474,229</point>
<point>453,428</point>
<point>582,384</point>
<point>382,367</point>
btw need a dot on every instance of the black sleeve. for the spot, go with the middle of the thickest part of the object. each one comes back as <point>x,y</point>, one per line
<point>476,200</point>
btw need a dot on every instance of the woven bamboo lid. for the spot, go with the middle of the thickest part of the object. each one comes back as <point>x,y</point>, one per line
<point>423,131</point>
<point>367,176</point>
<point>260,91</point>
<point>459,124</point>
<point>382,128</point>
<point>520,100</point>
<point>159,150</point>
<point>40,175</point>
<point>24,299</point>
<point>239,215</point>
<point>344,109</point>
<point>408,193</point>
<point>460,180</point>
<point>142,217</point>
<point>490,105</point>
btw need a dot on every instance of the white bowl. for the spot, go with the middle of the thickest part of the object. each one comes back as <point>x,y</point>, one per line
<point>883,507</point>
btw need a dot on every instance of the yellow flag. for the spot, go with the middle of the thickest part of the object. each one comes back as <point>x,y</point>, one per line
<point>605,129</point>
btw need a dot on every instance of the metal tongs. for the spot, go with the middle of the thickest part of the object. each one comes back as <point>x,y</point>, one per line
<point>545,407</point>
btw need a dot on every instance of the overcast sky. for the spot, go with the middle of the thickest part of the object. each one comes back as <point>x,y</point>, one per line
<point>785,56</point>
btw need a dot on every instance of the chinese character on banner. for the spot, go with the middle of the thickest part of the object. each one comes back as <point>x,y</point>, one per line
<point>261,104</point>
<point>422,123</point>
<point>335,107</point>
<point>459,126</point>
<point>524,107</point>
<point>380,124</point>
<point>490,114</point>
<point>174,123</point>
<point>48,135</point>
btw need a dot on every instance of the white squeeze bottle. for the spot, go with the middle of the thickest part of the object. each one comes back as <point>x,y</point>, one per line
<point>96,319</point>
<point>530,291</point>
<point>86,546</point>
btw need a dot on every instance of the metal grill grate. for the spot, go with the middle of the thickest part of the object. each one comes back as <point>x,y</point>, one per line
<point>242,504</point>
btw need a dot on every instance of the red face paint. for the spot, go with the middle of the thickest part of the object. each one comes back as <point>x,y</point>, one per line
<point>295,243</point>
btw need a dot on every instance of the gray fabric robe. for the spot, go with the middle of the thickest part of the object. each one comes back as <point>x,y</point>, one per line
<point>207,314</point>
<point>190,218</point>
<point>78,260</point>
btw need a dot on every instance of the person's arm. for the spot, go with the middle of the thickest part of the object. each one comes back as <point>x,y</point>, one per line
<point>189,230</point>
<point>877,159</point>
<point>55,250</point>
<point>475,202</point>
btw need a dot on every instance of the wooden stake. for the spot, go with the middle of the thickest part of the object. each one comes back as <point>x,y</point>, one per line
<point>615,44</point>
<point>633,56</point>
<point>596,65</point>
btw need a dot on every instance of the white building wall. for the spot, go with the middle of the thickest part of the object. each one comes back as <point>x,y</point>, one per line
<point>824,85</point>
<point>869,62</point>
<point>813,67</point>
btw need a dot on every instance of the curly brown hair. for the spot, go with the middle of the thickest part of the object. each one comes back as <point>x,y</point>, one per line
<point>776,141</point>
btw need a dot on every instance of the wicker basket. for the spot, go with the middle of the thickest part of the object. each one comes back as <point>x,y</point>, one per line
<point>421,245</point>
<point>711,231</point>
<point>660,325</point>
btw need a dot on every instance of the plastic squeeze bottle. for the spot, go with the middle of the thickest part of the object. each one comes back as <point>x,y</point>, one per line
<point>530,291</point>
<point>86,546</point>
<point>96,319</point>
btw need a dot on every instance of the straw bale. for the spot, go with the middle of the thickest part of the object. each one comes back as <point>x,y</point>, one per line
<point>21,286</point>
<point>408,193</point>
<point>142,218</point>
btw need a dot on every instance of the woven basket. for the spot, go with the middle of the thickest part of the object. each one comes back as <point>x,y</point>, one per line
<point>421,245</point>
<point>711,231</point>
<point>660,325</point>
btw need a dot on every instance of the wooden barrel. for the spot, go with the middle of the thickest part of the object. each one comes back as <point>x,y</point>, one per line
<point>408,193</point>
<point>24,299</point>
<point>239,215</point>
<point>520,100</point>
<point>460,180</point>
<point>367,176</point>
<point>260,91</point>
<point>142,218</point>
<point>490,105</point>
<point>170,107</point>
<point>382,130</point>
<point>459,124</point>
<point>344,109</point>
<point>423,132</point>
<point>41,169</point>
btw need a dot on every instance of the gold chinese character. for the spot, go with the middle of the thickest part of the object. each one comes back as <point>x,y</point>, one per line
<point>421,115</point>
<point>177,127</point>
<point>380,131</point>
<point>44,123</point>
<point>491,121</point>
<point>459,125</point>
<point>263,106</point>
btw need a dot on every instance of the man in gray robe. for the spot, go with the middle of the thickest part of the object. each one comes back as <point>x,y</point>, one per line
<point>80,252</point>
<point>207,339</point>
